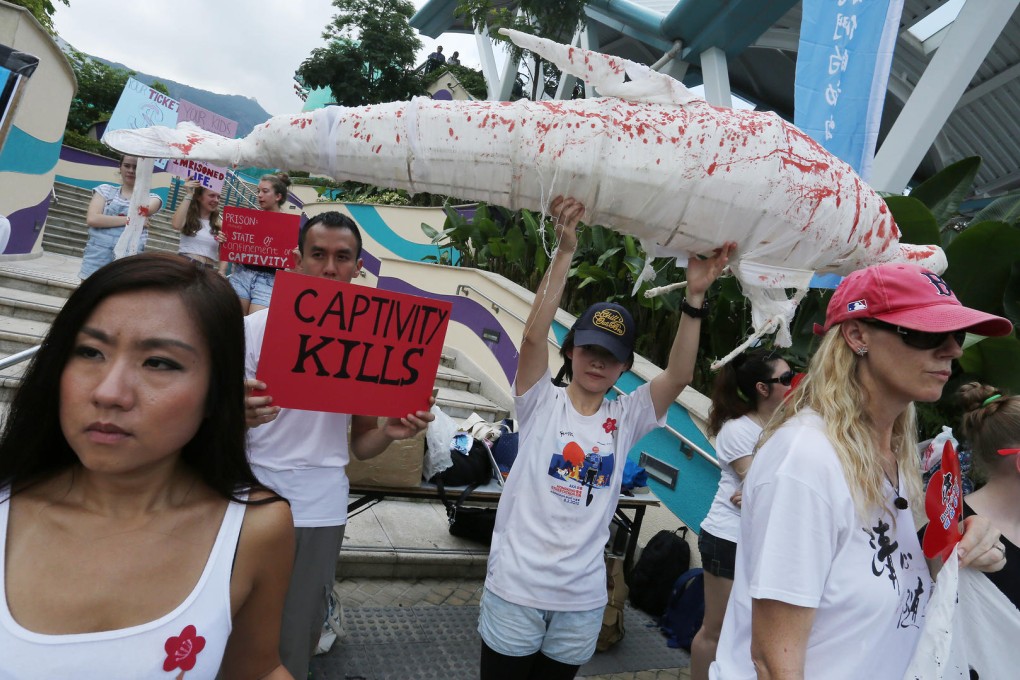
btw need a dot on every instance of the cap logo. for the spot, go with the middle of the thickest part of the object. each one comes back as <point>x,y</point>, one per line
<point>856,305</point>
<point>609,320</point>
<point>940,284</point>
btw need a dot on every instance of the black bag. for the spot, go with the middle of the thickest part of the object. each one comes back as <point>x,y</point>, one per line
<point>685,610</point>
<point>473,468</point>
<point>474,524</point>
<point>662,561</point>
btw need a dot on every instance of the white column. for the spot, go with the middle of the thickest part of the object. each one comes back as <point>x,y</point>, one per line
<point>567,81</point>
<point>488,59</point>
<point>717,78</point>
<point>944,81</point>
<point>589,41</point>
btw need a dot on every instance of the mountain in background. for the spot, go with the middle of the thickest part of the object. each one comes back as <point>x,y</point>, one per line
<point>245,110</point>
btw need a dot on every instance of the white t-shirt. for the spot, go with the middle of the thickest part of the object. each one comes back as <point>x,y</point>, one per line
<point>202,243</point>
<point>302,455</point>
<point>801,542</point>
<point>736,439</point>
<point>553,517</point>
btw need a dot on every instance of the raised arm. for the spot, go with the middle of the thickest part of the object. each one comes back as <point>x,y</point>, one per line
<point>533,360</point>
<point>679,372</point>
<point>180,216</point>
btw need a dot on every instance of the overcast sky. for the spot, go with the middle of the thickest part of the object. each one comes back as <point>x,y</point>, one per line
<point>245,47</point>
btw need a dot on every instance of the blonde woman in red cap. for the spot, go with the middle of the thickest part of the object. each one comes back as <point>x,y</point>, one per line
<point>830,579</point>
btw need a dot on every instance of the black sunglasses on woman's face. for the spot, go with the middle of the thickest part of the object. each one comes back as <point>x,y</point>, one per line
<point>786,379</point>
<point>918,339</point>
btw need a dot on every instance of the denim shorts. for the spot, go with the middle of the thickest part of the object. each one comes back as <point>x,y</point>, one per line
<point>718,556</point>
<point>99,249</point>
<point>515,630</point>
<point>252,284</point>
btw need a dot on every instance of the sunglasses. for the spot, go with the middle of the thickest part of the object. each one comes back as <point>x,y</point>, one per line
<point>786,379</point>
<point>918,339</point>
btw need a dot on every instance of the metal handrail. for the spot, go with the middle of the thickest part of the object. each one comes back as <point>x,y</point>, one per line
<point>687,447</point>
<point>14,359</point>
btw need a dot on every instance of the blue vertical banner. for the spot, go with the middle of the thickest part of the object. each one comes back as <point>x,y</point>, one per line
<point>843,62</point>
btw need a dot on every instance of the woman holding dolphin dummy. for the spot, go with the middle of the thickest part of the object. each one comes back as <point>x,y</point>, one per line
<point>830,580</point>
<point>545,589</point>
<point>107,216</point>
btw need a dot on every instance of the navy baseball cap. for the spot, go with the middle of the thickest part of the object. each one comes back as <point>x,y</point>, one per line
<point>607,325</point>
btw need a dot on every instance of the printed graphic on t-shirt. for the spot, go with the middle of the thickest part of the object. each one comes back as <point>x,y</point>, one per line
<point>580,471</point>
<point>887,563</point>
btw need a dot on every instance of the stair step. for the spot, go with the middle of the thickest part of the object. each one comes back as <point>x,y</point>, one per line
<point>36,282</point>
<point>22,304</point>
<point>459,404</point>
<point>454,379</point>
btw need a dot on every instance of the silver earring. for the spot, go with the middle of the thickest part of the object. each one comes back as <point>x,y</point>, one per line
<point>861,351</point>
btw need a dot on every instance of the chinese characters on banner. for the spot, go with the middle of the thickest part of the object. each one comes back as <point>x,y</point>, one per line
<point>846,49</point>
<point>259,237</point>
<point>344,348</point>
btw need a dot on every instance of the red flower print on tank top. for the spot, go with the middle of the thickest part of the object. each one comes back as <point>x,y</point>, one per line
<point>609,426</point>
<point>182,650</point>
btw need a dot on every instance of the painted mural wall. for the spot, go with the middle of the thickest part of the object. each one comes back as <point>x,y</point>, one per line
<point>30,154</point>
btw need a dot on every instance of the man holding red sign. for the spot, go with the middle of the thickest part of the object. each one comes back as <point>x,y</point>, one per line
<point>303,454</point>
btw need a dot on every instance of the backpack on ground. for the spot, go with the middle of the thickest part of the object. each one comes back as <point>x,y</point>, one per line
<point>685,610</point>
<point>665,557</point>
<point>612,618</point>
<point>473,467</point>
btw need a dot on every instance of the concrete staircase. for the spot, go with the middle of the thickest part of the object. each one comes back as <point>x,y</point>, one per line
<point>66,232</point>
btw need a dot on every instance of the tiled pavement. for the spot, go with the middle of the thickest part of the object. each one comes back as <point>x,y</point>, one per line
<point>381,593</point>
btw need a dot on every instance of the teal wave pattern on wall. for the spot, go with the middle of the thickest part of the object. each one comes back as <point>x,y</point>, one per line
<point>27,154</point>
<point>368,217</point>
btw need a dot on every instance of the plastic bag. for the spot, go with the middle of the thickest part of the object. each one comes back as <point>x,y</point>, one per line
<point>969,624</point>
<point>438,437</point>
<point>931,455</point>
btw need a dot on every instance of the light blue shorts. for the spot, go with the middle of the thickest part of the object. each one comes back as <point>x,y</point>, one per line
<point>251,284</point>
<point>99,249</point>
<point>514,630</point>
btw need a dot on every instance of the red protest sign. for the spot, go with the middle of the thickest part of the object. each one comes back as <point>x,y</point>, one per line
<point>942,505</point>
<point>345,348</point>
<point>259,237</point>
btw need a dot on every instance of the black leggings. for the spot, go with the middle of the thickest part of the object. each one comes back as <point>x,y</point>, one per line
<point>537,666</point>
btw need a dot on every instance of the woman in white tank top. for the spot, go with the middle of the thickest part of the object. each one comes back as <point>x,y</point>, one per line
<point>135,542</point>
<point>197,218</point>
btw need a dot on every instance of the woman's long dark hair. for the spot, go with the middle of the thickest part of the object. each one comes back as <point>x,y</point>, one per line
<point>735,391</point>
<point>191,223</point>
<point>33,447</point>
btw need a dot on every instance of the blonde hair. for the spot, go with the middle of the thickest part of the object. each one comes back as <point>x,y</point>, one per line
<point>833,390</point>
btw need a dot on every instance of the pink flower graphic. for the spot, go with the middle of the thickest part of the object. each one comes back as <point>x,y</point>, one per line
<point>182,650</point>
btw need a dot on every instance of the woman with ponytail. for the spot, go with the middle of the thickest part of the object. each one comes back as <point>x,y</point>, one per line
<point>991,423</point>
<point>254,283</point>
<point>747,392</point>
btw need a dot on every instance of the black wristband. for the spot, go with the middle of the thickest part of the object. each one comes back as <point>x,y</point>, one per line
<point>694,312</point>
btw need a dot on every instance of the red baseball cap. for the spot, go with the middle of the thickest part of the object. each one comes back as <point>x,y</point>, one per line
<point>910,296</point>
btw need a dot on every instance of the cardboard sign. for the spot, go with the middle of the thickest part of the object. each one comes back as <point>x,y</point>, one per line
<point>345,348</point>
<point>943,502</point>
<point>208,176</point>
<point>259,237</point>
<point>141,106</point>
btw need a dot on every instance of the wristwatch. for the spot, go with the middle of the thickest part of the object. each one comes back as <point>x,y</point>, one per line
<point>694,312</point>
